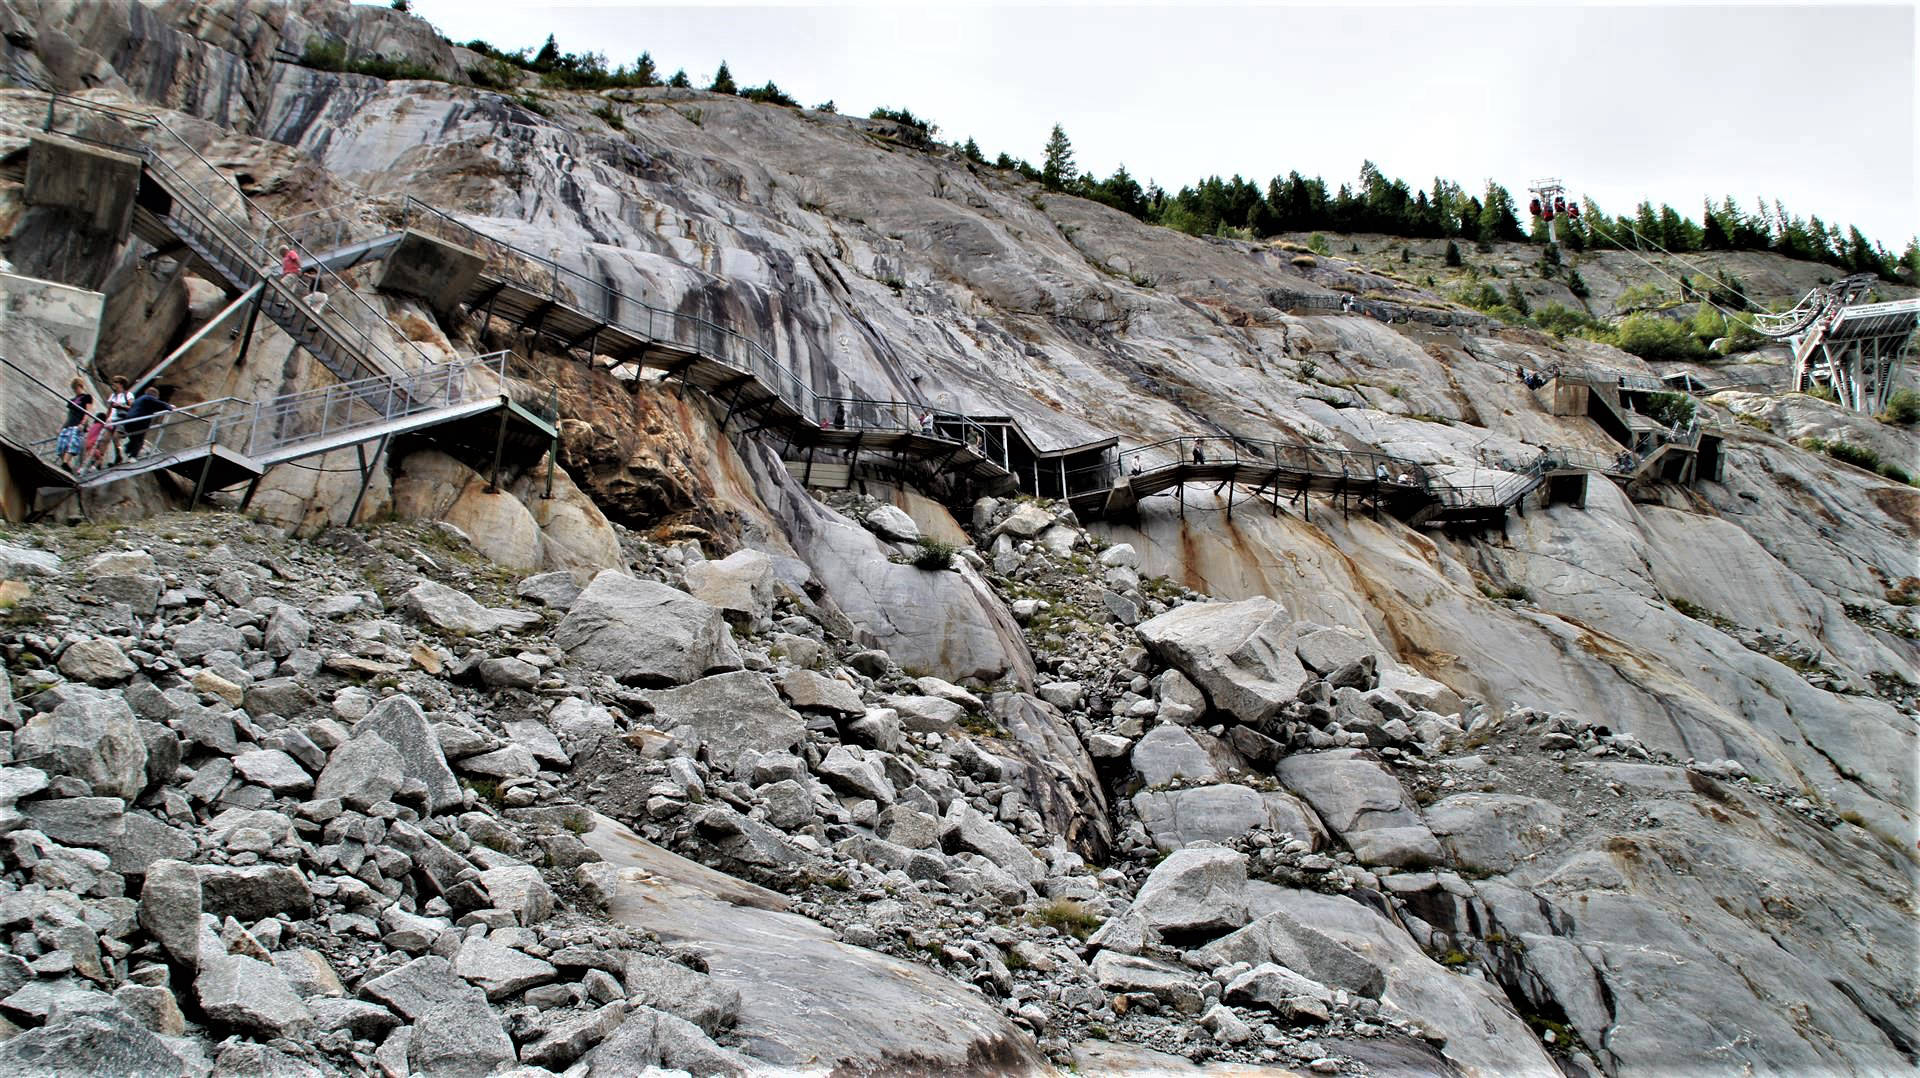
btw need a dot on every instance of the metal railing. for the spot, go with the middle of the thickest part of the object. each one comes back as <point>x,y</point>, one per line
<point>245,242</point>
<point>599,300</point>
<point>1294,458</point>
<point>279,428</point>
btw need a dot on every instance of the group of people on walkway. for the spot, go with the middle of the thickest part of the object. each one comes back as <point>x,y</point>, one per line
<point>88,437</point>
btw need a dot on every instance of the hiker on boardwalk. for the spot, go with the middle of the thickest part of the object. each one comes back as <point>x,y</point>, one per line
<point>118,402</point>
<point>290,262</point>
<point>1198,456</point>
<point>139,417</point>
<point>68,446</point>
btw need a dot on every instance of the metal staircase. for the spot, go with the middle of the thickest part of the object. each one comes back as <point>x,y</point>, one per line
<point>185,202</point>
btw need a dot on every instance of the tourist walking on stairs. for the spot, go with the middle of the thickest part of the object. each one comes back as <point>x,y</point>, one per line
<point>68,446</point>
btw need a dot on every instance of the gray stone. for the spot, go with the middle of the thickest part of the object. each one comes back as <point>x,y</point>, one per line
<point>1065,695</point>
<point>808,691</point>
<point>357,1018</point>
<point>855,772</point>
<point>1181,701</point>
<point>400,722</point>
<point>521,889</point>
<point>456,1041</point>
<point>538,739</point>
<point>878,729</point>
<point>248,993</point>
<point>456,612</point>
<point>140,591</point>
<point>146,840</point>
<point>739,585</point>
<point>1324,651</point>
<point>1279,939</point>
<point>502,763</point>
<point>309,972</point>
<point>203,636</point>
<point>153,1007</point>
<point>92,736</point>
<point>1025,522</point>
<point>498,970</point>
<point>253,892</point>
<point>557,589</point>
<point>423,985</point>
<point>560,1039</point>
<point>275,770</point>
<point>1363,804</point>
<point>1282,991</point>
<point>1240,653</point>
<point>102,1043</point>
<point>648,1038</point>
<point>97,661</point>
<point>948,691</point>
<point>94,822</point>
<point>732,713</point>
<point>646,634</point>
<point>287,630</point>
<point>1493,833</point>
<point>891,523</point>
<point>927,714</point>
<point>1177,987</point>
<point>284,696</point>
<point>170,910</point>
<point>1195,891</point>
<point>20,563</point>
<point>965,828</point>
<point>1169,752</point>
<point>364,771</point>
<point>789,805</point>
<point>1120,556</point>
<point>908,827</point>
<point>671,987</point>
<point>506,672</point>
<point>1176,818</point>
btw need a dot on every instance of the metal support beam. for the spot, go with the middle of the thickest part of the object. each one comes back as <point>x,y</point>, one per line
<point>253,486</point>
<point>806,477</point>
<point>366,475</point>
<point>200,483</point>
<point>246,335</point>
<point>499,448</point>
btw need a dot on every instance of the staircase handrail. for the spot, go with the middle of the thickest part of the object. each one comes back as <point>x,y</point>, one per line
<point>252,235</point>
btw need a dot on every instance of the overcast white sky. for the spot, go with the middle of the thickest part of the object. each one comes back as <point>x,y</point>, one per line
<point>1815,106</point>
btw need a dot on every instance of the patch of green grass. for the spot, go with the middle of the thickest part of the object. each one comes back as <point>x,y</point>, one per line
<point>934,555</point>
<point>611,118</point>
<point>1068,916</point>
<point>1759,423</point>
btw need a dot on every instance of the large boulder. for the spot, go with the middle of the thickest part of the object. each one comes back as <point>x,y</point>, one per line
<point>1363,804</point>
<point>740,585</point>
<point>644,633</point>
<point>235,990</point>
<point>1198,891</point>
<point>399,722</point>
<point>733,714</point>
<point>93,736</point>
<point>1176,818</point>
<point>1282,940</point>
<point>1492,833</point>
<point>1169,752</point>
<point>1242,654</point>
<point>457,612</point>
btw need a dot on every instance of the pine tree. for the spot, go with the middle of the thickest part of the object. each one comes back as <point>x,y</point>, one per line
<point>826,106</point>
<point>1057,172</point>
<point>1453,253</point>
<point>723,81</point>
<point>680,81</point>
<point>971,151</point>
<point>644,72</point>
<point>548,55</point>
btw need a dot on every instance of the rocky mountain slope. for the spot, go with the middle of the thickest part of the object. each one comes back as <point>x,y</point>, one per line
<point>1627,787</point>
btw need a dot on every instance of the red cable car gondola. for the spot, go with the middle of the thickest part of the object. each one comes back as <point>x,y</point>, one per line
<point>1534,207</point>
<point>1548,215</point>
<point>1560,203</point>
<point>1573,210</point>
